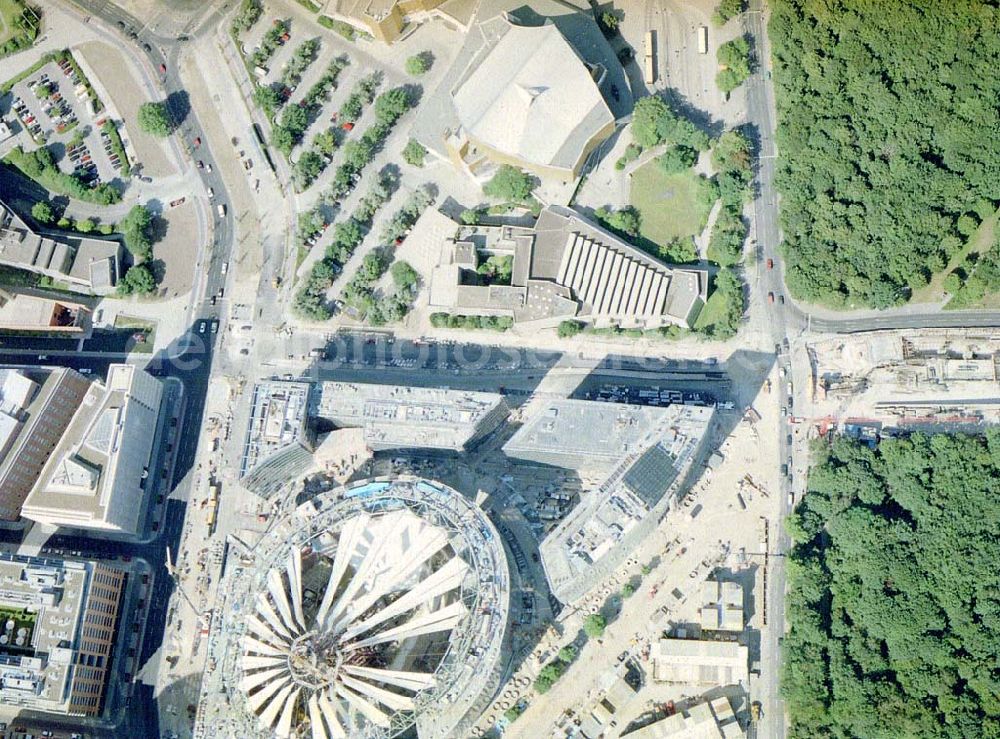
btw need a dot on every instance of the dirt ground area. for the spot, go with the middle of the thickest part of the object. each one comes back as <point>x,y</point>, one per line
<point>115,74</point>
<point>175,248</point>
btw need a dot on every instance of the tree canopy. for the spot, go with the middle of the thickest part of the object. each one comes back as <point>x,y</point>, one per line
<point>893,606</point>
<point>404,276</point>
<point>419,64</point>
<point>734,57</point>
<point>677,158</point>
<point>135,228</point>
<point>391,104</point>
<point>42,212</point>
<point>594,625</point>
<point>139,280</point>
<point>725,10</point>
<point>509,184</point>
<point>654,122</point>
<point>732,156</point>
<point>154,119</point>
<point>414,153</point>
<point>887,131</point>
<point>626,221</point>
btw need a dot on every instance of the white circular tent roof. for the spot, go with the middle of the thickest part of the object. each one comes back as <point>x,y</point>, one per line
<point>377,607</point>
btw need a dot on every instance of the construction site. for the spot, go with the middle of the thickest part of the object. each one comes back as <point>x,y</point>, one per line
<point>662,489</point>
<point>366,612</point>
<point>900,381</point>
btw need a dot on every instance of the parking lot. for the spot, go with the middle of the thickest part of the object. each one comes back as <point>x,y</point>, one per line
<point>54,106</point>
<point>273,74</point>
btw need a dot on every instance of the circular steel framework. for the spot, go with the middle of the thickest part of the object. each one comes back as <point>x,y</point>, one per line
<point>369,610</point>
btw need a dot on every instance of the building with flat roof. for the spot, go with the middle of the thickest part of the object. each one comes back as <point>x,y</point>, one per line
<point>614,697</point>
<point>404,417</point>
<point>641,457</point>
<point>722,606</point>
<point>712,720</point>
<point>96,476</point>
<point>84,263</point>
<point>22,312</point>
<point>279,444</point>
<point>698,662</point>
<point>388,20</point>
<point>564,267</point>
<point>36,407</point>
<point>58,621</point>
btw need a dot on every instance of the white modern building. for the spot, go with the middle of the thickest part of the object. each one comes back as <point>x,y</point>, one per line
<point>96,477</point>
<point>563,268</point>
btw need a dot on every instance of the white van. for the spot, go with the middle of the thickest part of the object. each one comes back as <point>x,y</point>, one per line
<point>221,210</point>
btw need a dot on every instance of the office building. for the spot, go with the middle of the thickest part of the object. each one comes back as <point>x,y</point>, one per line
<point>564,267</point>
<point>639,457</point>
<point>58,622</point>
<point>83,263</point>
<point>36,407</point>
<point>96,476</point>
<point>279,444</point>
<point>404,417</point>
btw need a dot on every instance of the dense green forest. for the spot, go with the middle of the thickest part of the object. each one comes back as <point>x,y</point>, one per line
<point>888,137</point>
<point>894,601</point>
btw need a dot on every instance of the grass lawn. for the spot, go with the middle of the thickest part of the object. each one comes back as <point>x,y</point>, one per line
<point>672,205</point>
<point>934,292</point>
<point>11,11</point>
<point>713,310</point>
<point>17,277</point>
<point>138,324</point>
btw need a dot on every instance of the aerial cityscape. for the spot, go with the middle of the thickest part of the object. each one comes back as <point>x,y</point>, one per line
<point>445,369</point>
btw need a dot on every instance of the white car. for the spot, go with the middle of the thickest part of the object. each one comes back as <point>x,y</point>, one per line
<point>208,168</point>
<point>211,193</point>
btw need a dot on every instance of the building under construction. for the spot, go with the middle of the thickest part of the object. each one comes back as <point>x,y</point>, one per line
<point>370,611</point>
<point>641,458</point>
<point>285,416</point>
